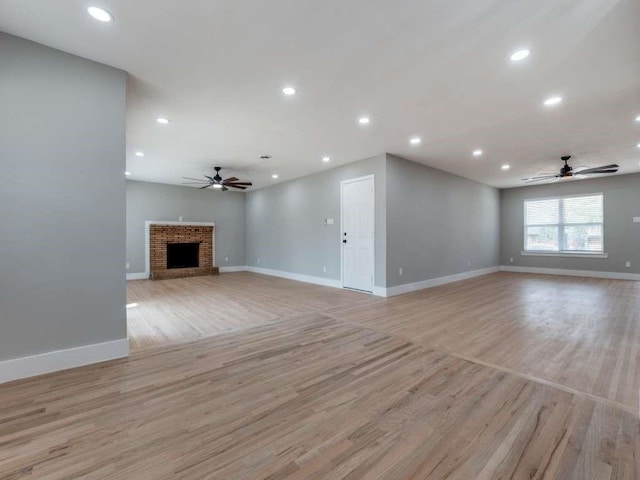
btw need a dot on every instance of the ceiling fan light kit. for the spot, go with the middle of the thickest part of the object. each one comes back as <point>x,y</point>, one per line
<point>217,182</point>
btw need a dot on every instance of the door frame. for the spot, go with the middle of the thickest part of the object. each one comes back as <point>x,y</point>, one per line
<point>373,260</point>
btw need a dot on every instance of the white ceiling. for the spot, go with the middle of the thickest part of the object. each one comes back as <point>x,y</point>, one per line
<point>438,69</point>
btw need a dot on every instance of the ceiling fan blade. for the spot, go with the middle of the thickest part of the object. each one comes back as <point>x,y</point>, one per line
<point>594,171</point>
<point>196,183</point>
<point>230,179</point>
<point>540,179</point>
<point>603,169</point>
<point>206,186</point>
<point>236,186</point>
<point>198,179</point>
<point>224,189</point>
<point>210,178</point>
<point>246,184</point>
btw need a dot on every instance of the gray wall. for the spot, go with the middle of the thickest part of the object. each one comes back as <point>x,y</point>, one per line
<point>285,228</point>
<point>154,201</point>
<point>62,201</point>
<point>621,236</point>
<point>437,222</point>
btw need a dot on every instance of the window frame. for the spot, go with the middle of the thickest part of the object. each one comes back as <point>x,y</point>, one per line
<point>560,226</point>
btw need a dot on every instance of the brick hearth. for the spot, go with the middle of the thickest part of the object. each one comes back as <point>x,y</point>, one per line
<point>160,235</point>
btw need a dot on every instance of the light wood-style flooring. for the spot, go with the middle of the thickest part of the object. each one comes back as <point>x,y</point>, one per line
<point>503,376</point>
<point>166,312</point>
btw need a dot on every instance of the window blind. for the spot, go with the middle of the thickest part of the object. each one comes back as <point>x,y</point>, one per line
<point>564,224</point>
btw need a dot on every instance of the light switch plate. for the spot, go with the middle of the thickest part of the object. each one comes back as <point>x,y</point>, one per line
<point>328,221</point>
<point>636,219</point>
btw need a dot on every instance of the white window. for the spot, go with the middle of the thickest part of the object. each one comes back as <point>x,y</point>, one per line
<point>564,224</point>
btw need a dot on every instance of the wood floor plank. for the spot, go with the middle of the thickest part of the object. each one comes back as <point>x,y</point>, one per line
<point>166,312</point>
<point>579,332</point>
<point>371,389</point>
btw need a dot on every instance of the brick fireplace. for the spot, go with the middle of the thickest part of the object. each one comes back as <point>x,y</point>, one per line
<point>162,234</point>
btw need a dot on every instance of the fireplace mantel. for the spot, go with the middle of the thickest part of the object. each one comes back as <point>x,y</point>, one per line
<point>204,269</point>
<point>148,223</point>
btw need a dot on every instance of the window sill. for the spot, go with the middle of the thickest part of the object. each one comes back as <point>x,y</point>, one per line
<point>564,254</point>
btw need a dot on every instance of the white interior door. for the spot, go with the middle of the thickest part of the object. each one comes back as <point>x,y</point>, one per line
<point>358,215</point>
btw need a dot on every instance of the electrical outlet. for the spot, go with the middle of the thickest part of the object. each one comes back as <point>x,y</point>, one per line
<point>324,268</point>
<point>510,259</point>
<point>628,264</point>
<point>127,265</point>
<point>258,259</point>
<point>400,271</point>
<point>226,259</point>
<point>180,218</point>
<point>468,263</point>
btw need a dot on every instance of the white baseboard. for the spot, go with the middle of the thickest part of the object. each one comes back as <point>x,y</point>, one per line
<point>137,276</point>
<point>48,362</point>
<point>327,282</point>
<point>434,282</point>
<point>572,273</point>
<point>145,276</point>
<point>237,268</point>
<point>379,291</point>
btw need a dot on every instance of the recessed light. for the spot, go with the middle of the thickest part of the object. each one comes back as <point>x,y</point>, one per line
<point>415,141</point>
<point>364,120</point>
<point>520,55</point>
<point>477,153</point>
<point>100,14</point>
<point>505,167</point>
<point>552,101</point>
<point>326,159</point>
<point>162,120</point>
<point>289,91</point>
<point>275,175</point>
<point>139,154</point>
<point>638,119</point>
<point>127,173</point>
<point>638,145</point>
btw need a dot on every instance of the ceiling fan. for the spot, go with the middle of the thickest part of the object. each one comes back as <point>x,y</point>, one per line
<point>568,172</point>
<point>217,182</point>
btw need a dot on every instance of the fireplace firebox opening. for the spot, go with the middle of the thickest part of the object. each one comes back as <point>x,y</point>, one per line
<point>183,255</point>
